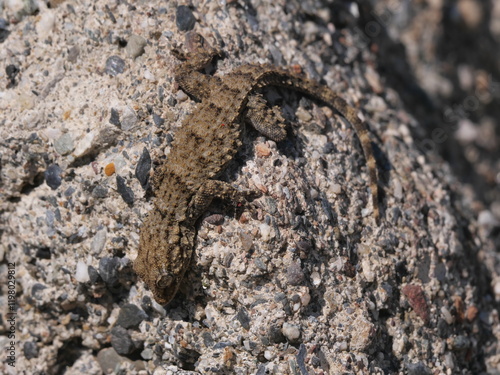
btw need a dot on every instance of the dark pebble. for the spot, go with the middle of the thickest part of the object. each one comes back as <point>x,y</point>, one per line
<point>275,335</point>
<point>4,33</point>
<point>121,341</point>
<point>328,148</point>
<point>73,54</point>
<point>12,71</point>
<point>130,316</point>
<point>114,65</point>
<point>126,192</point>
<point>53,176</point>
<point>301,356</point>
<point>94,275</point>
<point>100,192</point>
<point>243,318</point>
<point>294,274</point>
<point>304,245</point>
<point>207,339</point>
<point>114,119</point>
<point>171,101</point>
<point>108,269</point>
<point>184,18</point>
<point>43,253</point>
<point>158,120</point>
<point>36,290</point>
<point>30,350</point>
<point>142,169</point>
<point>69,191</point>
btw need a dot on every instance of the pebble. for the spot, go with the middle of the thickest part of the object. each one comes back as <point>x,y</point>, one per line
<point>303,115</point>
<point>114,65</point>
<point>417,301</point>
<point>275,335</point>
<point>184,18</point>
<point>262,150</point>
<point>114,118</point>
<point>135,45</point>
<point>45,24</point>
<point>94,276</point>
<point>4,32</point>
<point>108,270</point>
<point>294,274</point>
<point>243,318</point>
<point>82,272</point>
<point>30,350</point>
<point>143,167</point>
<point>85,144</point>
<point>265,232</point>
<point>215,219</point>
<point>109,169</point>
<point>147,354</point>
<point>126,193</point>
<point>158,120</point>
<point>100,192</point>
<point>129,119</point>
<point>130,316</point>
<point>109,360</point>
<point>98,242</point>
<point>64,144</point>
<point>12,71</point>
<point>291,331</point>
<point>53,176</point>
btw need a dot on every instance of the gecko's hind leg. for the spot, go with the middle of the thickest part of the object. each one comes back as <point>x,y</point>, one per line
<point>216,189</point>
<point>267,120</point>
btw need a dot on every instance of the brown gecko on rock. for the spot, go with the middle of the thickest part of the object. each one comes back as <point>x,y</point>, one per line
<point>210,137</point>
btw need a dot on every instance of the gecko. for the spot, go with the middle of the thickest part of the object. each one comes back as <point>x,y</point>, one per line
<point>185,184</point>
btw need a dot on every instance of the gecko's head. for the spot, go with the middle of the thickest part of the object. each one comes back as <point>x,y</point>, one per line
<point>163,283</point>
<point>165,252</point>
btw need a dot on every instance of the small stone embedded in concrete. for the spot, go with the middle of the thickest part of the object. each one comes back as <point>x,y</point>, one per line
<point>99,241</point>
<point>108,270</point>
<point>184,18</point>
<point>129,119</point>
<point>291,331</point>
<point>114,118</point>
<point>114,65</point>
<point>64,144</point>
<point>30,350</point>
<point>12,71</point>
<point>135,45</point>
<point>158,120</point>
<point>143,167</point>
<point>100,192</point>
<point>53,176</point>
<point>82,272</point>
<point>294,274</point>
<point>417,301</point>
<point>243,318</point>
<point>126,192</point>
<point>130,316</point>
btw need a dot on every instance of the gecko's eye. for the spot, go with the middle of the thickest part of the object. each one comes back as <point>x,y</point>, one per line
<point>164,280</point>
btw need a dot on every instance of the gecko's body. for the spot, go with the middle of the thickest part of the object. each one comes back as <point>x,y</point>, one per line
<point>208,140</point>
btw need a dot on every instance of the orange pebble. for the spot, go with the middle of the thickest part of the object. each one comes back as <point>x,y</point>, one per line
<point>109,169</point>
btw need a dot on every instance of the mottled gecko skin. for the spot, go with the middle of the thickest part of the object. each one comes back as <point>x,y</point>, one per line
<point>209,138</point>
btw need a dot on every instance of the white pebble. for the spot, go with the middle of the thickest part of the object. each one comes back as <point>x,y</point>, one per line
<point>82,272</point>
<point>265,232</point>
<point>291,331</point>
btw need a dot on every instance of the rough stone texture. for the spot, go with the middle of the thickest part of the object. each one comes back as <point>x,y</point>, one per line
<point>238,312</point>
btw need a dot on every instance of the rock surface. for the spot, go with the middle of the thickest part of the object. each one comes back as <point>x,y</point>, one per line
<point>302,281</point>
